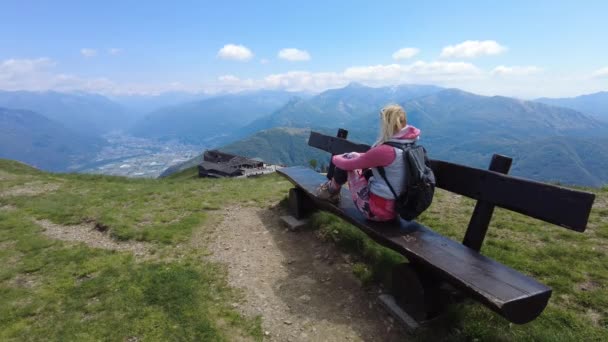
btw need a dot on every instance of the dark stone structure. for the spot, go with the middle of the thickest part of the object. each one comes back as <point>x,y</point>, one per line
<point>218,164</point>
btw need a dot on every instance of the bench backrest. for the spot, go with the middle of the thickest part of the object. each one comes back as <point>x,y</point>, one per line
<point>564,207</point>
<point>554,204</point>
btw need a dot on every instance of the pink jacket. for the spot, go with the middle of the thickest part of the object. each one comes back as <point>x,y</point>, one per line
<point>382,155</point>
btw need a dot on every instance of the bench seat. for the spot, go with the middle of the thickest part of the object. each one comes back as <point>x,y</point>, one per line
<point>513,295</point>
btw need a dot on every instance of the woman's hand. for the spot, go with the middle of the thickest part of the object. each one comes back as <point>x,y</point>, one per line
<point>350,155</point>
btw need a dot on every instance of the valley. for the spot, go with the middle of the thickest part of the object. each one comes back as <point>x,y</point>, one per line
<point>125,155</point>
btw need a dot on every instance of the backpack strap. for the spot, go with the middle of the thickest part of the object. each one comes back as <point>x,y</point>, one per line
<point>399,145</point>
<point>383,174</point>
<point>381,169</point>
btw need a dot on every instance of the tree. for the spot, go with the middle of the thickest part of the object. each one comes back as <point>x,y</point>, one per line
<point>313,164</point>
<point>323,167</point>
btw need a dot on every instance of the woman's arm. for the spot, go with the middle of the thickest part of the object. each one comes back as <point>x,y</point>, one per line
<point>381,155</point>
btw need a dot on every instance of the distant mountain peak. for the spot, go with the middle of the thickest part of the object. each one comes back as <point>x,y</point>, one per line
<point>595,104</point>
<point>353,85</point>
<point>293,100</point>
<point>450,92</point>
<point>458,91</point>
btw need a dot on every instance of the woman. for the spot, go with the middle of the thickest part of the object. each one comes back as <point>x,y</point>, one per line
<point>373,196</point>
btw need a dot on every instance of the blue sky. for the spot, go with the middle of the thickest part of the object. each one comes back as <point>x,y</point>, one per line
<point>518,48</point>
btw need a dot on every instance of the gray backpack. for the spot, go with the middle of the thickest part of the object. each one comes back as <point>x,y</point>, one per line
<point>419,189</point>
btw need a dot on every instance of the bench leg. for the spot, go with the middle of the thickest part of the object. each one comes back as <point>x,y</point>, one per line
<point>421,296</point>
<point>299,204</point>
<point>408,290</point>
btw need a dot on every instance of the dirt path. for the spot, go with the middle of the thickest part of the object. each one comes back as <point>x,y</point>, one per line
<point>303,288</point>
<point>30,189</point>
<point>93,235</point>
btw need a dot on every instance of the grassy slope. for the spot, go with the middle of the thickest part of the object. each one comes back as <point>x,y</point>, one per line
<point>575,265</point>
<point>279,145</point>
<point>50,288</point>
<point>59,291</point>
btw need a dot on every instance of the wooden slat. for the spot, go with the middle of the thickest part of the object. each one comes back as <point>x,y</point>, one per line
<point>564,207</point>
<point>334,145</point>
<point>515,296</point>
<point>342,134</point>
<point>482,214</point>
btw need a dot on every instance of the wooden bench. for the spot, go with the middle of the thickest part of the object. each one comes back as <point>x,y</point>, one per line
<point>436,263</point>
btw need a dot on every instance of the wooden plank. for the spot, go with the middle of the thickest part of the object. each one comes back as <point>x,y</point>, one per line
<point>513,295</point>
<point>482,214</point>
<point>564,207</point>
<point>334,145</point>
<point>342,134</point>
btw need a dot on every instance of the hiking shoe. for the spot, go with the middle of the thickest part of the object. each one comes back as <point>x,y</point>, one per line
<point>325,194</point>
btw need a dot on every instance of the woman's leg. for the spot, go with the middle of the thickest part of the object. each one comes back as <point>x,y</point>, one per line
<point>338,179</point>
<point>330,190</point>
<point>359,190</point>
<point>372,207</point>
<point>357,184</point>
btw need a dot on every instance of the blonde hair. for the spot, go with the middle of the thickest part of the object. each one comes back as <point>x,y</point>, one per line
<point>392,118</point>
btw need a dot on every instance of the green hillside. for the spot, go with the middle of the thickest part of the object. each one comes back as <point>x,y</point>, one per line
<point>34,139</point>
<point>146,273</point>
<point>281,145</point>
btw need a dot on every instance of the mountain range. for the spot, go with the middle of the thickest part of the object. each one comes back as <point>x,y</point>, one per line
<point>547,142</point>
<point>457,126</point>
<point>337,107</point>
<point>41,142</point>
<point>594,104</point>
<point>142,104</point>
<point>84,113</point>
<point>209,121</point>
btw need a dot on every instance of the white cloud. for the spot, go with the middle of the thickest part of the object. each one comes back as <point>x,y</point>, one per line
<point>405,53</point>
<point>86,52</point>
<point>114,51</point>
<point>601,73</point>
<point>235,52</point>
<point>502,70</point>
<point>449,69</point>
<point>21,66</point>
<point>228,79</point>
<point>39,75</point>
<point>292,80</point>
<point>231,83</point>
<point>294,55</point>
<point>18,74</point>
<point>379,72</point>
<point>417,71</point>
<point>375,75</point>
<point>472,49</point>
<point>304,80</point>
